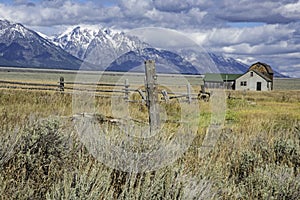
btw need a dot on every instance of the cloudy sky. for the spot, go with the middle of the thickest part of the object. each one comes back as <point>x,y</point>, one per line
<point>248,30</point>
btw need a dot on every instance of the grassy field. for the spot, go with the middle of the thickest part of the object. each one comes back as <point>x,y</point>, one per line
<point>287,84</point>
<point>257,154</point>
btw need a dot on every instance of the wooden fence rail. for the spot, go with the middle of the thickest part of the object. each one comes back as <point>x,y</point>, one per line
<point>26,88</point>
<point>28,83</point>
<point>94,84</point>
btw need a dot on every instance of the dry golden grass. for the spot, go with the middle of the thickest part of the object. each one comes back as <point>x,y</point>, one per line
<point>257,155</point>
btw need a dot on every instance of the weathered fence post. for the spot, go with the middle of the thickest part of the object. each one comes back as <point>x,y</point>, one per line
<point>126,97</point>
<point>188,95</point>
<point>202,89</point>
<point>61,84</point>
<point>152,95</point>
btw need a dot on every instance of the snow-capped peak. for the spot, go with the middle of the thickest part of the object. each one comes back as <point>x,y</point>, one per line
<point>75,40</point>
<point>82,40</point>
<point>10,31</point>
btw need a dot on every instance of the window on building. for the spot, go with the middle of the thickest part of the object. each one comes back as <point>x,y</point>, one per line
<point>244,83</point>
<point>251,74</point>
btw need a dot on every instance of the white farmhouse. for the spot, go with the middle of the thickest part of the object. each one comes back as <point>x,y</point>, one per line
<point>253,81</point>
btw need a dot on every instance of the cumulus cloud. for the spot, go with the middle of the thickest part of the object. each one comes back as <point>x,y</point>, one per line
<point>204,14</point>
<point>125,13</point>
<point>291,10</point>
<point>276,44</point>
<point>267,34</point>
<point>50,13</point>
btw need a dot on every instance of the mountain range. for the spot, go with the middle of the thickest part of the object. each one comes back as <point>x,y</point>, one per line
<point>99,48</point>
<point>115,51</point>
<point>22,47</point>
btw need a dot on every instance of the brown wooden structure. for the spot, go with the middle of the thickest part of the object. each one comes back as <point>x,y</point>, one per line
<point>263,68</point>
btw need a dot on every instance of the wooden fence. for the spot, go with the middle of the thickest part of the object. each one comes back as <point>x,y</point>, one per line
<point>150,93</point>
<point>124,90</point>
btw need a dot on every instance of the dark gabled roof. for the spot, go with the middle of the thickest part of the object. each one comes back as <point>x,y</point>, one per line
<point>211,77</point>
<point>262,75</point>
<point>266,66</point>
<point>259,74</point>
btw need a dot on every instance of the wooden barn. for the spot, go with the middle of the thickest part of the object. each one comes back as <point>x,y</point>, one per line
<point>259,77</point>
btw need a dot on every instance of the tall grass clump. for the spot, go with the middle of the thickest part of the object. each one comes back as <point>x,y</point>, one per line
<point>264,165</point>
<point>34,162</point>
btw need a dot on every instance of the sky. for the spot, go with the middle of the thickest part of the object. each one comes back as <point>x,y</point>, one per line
<point>248,30</point>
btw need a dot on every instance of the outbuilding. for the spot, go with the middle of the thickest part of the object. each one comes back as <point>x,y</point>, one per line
<point>226,81</point>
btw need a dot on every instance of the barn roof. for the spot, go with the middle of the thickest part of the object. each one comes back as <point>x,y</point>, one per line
<point>259,74</point>
<point>212,77</point>
<point>266,66</point>
<point>262,75</point>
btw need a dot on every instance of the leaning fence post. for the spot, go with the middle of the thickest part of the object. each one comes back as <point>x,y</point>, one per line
<point>189,97</point>
<point>126,97</point>
<point>62,84</point>
<point>152,95</point>
<point>144,98</point>
<point>165,95</point>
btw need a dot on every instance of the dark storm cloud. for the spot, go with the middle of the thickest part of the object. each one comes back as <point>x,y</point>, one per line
<point>171,6</point>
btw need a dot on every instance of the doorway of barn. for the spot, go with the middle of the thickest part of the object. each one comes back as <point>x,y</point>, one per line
<point>258,86</point>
